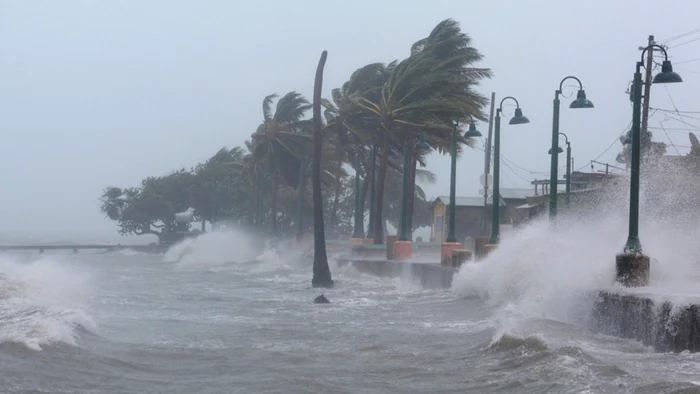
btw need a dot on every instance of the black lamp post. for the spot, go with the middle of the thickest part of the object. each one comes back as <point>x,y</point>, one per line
<point>568,168</point>
<point>580,102</point>
<point>471,133</point>
<point>403,225</point>
<point>517,119</point>
<point>632,266</point>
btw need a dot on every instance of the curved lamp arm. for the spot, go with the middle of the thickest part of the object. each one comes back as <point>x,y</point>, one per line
<point>561,84</point>
<point>641,60</point>
<point>566,138</point>
<point>500,106</point>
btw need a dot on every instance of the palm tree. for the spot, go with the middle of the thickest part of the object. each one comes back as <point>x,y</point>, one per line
<point>321,271</point>
<point>425,92</point>
<point>280,141</point>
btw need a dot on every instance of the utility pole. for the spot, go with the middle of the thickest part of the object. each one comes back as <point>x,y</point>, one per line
<point>646,143</point>
<point>487,163</point>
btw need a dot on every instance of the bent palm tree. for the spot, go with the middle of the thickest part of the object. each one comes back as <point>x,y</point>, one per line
<point>280,141</point>
<point>321,271</point>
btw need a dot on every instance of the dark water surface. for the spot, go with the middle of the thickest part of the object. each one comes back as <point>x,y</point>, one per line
<point>132,323</point>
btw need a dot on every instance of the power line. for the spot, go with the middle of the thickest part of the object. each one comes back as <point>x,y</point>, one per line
<point>669,138</point>
<point>683,43</point>
<point>677,36</point>
<point>687,61</point>
<point>617,139</point>
<point>676,110</point>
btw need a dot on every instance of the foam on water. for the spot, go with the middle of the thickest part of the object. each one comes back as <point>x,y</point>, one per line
<point>42,302</point>
<point>212,249</point>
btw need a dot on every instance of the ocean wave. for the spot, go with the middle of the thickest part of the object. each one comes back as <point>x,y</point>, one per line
<point>42,302</point>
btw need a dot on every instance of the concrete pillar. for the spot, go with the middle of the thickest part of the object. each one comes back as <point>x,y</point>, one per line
<point>488,249</point>
<point>389,242</point>
<point>479,244</point>
<point>632,269</point>
<point>357,241</point>
<point>460,256</point>
<point>446,252</point>
<point>403,250</point>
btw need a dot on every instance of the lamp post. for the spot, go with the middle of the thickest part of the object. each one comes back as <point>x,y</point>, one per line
<point>300,207</point>
<point>518,118</point>
<point>568,168</point>
<point>370,229</point>
<point>580,102</point>
<point>403,247</point>
<point>632,267</point>
<point>358,235</point>
<point>451,239</point>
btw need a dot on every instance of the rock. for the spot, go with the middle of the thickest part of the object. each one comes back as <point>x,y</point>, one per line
<point>321,300</point>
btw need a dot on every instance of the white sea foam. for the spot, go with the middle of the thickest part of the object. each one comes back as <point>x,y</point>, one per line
<point>42,302</point>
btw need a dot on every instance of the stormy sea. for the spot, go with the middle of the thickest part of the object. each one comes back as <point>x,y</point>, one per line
<point>216,315</point>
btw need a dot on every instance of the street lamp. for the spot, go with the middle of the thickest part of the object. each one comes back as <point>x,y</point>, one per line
<point>580,103</point>
<point>451,243</point>
<point>632,267</point>
<point>370,229</point>
<point>517,119</point>
<point>359,230</point>
<point>471,133</point>
<point>403,247</point>
<point>568,168</point>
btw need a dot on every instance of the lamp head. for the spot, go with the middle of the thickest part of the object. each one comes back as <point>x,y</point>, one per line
<point>519,118</point>
<point>421,144</point>
<point>627,138</point>
<point>581,101</point>
<point>667,75</point>
<point>559,150</point>
<point>472,132</point>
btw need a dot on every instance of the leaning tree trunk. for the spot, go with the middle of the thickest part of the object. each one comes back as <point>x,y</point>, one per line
<point>411,197</point>
<point>322,273</point>
<point>336,191</point>
<point>273,216</point>
<point>379,197</point>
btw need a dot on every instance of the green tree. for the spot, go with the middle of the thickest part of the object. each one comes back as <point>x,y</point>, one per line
<point>150,208</point>
<point>280,141</point>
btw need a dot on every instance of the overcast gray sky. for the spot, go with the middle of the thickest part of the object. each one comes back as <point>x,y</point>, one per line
<point>98,93</point>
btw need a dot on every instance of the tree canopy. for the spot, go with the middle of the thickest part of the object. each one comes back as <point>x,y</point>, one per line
<point>380,107</point>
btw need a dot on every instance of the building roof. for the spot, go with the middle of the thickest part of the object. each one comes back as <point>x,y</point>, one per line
<point>516,194</point>
<point>465,201</point>
<point>506,194</point>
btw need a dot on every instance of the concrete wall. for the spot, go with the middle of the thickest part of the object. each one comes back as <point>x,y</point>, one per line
<point>638,317</point>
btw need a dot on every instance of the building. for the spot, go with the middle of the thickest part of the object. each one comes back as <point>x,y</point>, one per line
<point>473,214</point>
<point>586,191</point>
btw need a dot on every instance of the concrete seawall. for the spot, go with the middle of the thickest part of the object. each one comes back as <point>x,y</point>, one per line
<point>428,275</point>
<point>661,324</point>
<point>665,324</point>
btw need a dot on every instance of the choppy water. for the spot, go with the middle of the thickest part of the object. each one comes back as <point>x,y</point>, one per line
<point>128,322</point>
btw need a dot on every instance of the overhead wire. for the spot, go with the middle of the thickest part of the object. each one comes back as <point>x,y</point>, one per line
<point>684,43</point>
<point>617,139</point>
<point>678,36</point>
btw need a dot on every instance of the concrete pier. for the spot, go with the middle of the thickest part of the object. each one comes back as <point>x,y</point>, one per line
<point>664,324</point>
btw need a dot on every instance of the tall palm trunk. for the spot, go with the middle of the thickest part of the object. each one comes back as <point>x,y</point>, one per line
<point>379,197</point>
<point>273,216</point>
<point>411,197</point>
<point>322,273</point>
<point>336,191</point>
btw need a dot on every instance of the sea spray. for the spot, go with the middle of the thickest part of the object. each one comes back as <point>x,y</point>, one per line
<point>42,302</point>
<point>553,271</point>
